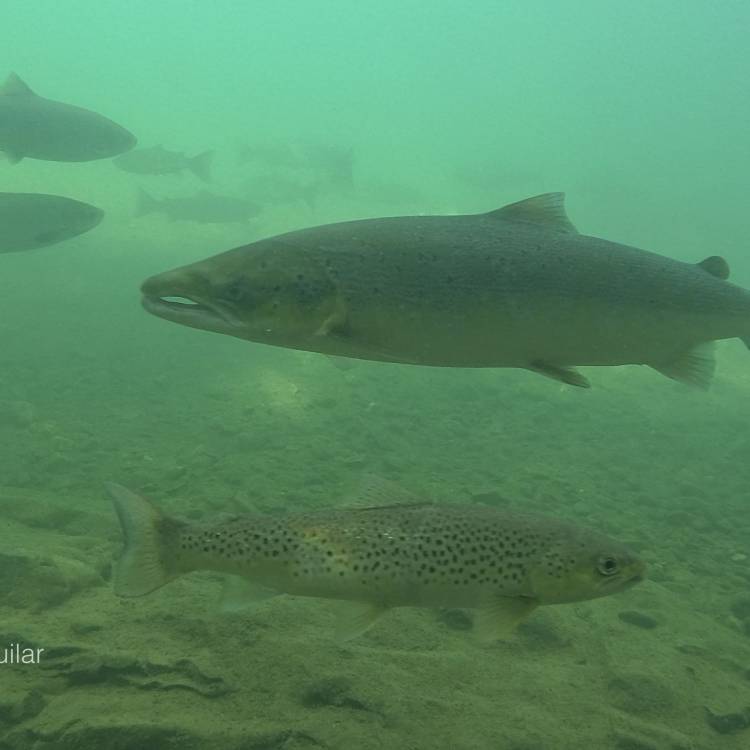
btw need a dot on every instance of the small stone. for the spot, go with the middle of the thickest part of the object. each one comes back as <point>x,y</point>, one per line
<point>640,620</point>
<point>728,723</point>
<point>458,619</point>
<point>738,557</point>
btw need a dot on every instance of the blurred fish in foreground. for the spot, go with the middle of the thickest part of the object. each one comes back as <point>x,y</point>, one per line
<point>203,208</point>
<point>415,554</point>
<point>38,128</point>
<point>32,220</point>
<point>160,161</point>
<point>515,287</point>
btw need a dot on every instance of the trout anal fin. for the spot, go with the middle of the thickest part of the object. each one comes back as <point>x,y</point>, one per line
<point>568,375</point>
<point>354,618</point>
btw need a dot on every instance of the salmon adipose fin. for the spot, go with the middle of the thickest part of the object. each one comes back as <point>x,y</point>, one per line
<point>695,367</point>
<point>200,165</point>
<point>716,266</point>
<point>568,375</point>
<point>143,566</point>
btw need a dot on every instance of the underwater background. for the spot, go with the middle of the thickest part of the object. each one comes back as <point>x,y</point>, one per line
<point>638,111</point>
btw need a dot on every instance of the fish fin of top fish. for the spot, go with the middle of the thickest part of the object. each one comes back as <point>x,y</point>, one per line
<point>716,266</point>
<point>694,367</point>
<point>14,86</point>
<point>746,341</point>
<point>354,618</point>
<point>499,615</point>
<point>568,375</point>
<point>547,209</point>
<point>336,323</point>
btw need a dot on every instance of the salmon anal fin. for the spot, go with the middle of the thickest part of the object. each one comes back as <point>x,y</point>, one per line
<point>568,375</point>
<point>695,367</point>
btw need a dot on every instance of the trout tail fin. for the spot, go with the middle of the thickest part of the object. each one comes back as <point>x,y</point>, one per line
<point>145,563</point>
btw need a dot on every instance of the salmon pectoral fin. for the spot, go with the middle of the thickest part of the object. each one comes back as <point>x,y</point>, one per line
<point>694,367</point>
<point>354,618</point>
<point>568,375</point>
<point>499,616</point>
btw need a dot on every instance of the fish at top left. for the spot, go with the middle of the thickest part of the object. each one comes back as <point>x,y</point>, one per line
<point>34,127</point>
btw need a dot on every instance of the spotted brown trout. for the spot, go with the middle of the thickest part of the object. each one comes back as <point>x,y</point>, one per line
<point>516,287</point>
<point>406,555</point>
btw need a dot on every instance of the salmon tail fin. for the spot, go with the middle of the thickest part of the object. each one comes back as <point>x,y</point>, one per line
<point>145,203</point>
<point>145,563</point>
<point>200,165</point>
<point>694,367</point>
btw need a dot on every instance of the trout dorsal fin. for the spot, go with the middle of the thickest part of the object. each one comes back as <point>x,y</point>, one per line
<point>14,86</point>
<point>547,210</point>
<point>376,492</point>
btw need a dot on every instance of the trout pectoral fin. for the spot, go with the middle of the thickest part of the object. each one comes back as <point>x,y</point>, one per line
<point>694,367</point>
<point>238,594</point>
<point>354,618</point>
<point>499,616</point>
<point>568,375</point>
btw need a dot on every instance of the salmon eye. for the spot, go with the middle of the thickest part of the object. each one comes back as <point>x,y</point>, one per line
<point>607,566</point>
<point>234,292</point>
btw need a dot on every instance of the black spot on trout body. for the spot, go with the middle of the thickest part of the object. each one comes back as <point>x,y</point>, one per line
<point>516,287</point>
<point>415,554</point>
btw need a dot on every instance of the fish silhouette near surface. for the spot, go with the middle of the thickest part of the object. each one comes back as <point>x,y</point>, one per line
<point>409,554</point>
<point>32,220</point>
<point>516,287</point>
<point>37,128</point>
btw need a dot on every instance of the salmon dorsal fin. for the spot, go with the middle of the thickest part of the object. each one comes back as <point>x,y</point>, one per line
<point>14,86</point>
<point>716,266</point>
<point>375,492</point>
<point>546,210</point>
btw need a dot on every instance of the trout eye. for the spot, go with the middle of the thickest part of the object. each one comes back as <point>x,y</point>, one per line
<point>607,566</point>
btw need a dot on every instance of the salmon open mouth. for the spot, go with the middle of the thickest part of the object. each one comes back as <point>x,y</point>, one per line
<point>190,312</point>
